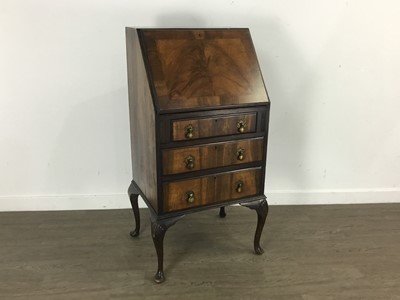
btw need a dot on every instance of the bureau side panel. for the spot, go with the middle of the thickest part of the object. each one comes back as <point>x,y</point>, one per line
<point>142,121</point>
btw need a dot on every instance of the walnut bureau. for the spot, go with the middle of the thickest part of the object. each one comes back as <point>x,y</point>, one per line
<point>199,114</point>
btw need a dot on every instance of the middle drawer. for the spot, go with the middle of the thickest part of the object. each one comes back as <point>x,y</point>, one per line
<point>181,160</point>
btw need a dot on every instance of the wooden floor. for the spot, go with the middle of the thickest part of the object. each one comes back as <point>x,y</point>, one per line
<point>311,252</point>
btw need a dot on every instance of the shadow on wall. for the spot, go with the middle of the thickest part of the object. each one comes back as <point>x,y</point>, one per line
<point>92,153</point>
<point>288,79</point>
<point>179,20</point>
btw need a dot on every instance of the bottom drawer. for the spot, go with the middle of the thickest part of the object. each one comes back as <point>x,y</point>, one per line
<point>211,189</point>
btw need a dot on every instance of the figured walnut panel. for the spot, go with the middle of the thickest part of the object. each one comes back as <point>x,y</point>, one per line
<point>212,127</point>
<point>211,189</point>
<point>212,156</point>
<point>203,68</point>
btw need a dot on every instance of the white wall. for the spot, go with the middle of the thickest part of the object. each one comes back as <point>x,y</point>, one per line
<point>332,70</point>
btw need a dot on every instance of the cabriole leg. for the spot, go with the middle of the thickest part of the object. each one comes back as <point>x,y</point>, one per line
<point>261,207</point>
<point>222,212</point>
<point>133,197</point>
<point>158,230</point>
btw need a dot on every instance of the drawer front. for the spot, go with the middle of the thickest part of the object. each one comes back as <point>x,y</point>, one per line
<point>212,156</point>
<point>212,127</point>
<point>211,189</point>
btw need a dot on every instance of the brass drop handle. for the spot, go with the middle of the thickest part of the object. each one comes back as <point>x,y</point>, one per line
<point>240,154</point>
<point>189,161</point>
<point>189,131</point>
<point>241,126</point>
<point>239,186</point>
<point>190,196</point>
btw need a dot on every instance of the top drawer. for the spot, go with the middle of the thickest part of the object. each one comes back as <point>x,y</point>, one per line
<point>212,127</point>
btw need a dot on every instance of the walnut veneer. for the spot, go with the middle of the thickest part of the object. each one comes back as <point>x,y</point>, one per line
<point>199,116</point>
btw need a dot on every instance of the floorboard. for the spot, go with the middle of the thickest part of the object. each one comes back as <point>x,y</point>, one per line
<point>311,252</point>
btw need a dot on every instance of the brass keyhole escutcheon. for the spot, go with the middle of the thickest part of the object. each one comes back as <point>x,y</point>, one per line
<point>189,131</point>
<point>240,154</point>
<point>190,196</point>
<point>189,161</point>
<point>239,186</point>
<point>241,126</point>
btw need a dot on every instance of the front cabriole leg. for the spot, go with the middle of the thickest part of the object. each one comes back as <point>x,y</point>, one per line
<point>158,230</point>
<point>261,207</point>
<point>133,197</point>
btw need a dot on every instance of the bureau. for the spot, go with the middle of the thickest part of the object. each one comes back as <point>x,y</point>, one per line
<point>199,115</point>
